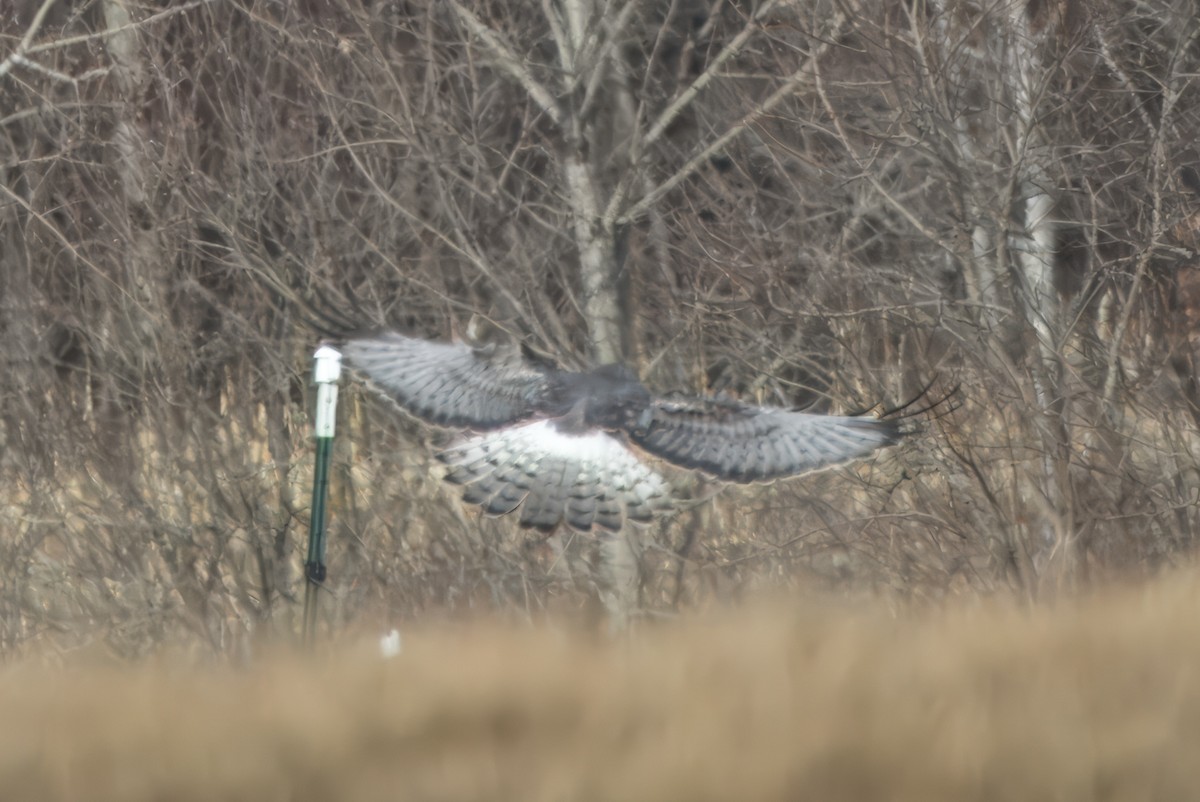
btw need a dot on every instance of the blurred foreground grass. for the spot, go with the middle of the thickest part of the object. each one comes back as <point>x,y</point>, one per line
<point>1096,697</point>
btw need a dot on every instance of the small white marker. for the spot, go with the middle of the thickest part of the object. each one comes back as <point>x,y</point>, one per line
<point>389,645</point>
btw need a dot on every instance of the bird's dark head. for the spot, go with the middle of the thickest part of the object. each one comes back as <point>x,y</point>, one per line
<point>616,373</point>
<point>621,397</point>
<point>609,396</point>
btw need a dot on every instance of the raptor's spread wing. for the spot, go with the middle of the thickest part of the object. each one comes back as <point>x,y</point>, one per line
<point>585,480</point>
<point>450,384</point>
<point>743,443</point>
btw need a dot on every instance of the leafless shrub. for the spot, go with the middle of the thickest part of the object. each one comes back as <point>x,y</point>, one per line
<point>805,203</point>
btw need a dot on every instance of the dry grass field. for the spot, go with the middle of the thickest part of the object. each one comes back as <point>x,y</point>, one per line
<point>1086,698</point>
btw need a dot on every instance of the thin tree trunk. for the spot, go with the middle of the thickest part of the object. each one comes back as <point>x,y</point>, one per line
<point>1035,260</point>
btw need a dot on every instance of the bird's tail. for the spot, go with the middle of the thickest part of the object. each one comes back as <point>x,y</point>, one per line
<point>585,481</point>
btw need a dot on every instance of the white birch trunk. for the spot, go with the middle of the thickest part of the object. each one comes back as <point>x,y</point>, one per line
<point>1035,246</point>
<point>134,162</point>
<point>981,278</point>
<point>596,244</point>
<point>620,579</point>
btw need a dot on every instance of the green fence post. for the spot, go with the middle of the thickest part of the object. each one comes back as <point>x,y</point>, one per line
<point>327,369</point>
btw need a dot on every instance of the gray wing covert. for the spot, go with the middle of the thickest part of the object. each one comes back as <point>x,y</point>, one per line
<point>450,384</point>
<point>739,442</point>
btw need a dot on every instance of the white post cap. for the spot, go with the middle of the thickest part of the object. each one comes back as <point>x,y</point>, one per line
<point>327,365</point>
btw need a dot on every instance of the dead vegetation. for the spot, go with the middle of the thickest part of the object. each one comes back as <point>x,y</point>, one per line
<point>815,202</point>
<point>1090,698</point>
<point>812,202</point>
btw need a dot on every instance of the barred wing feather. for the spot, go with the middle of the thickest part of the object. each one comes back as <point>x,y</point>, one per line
<point>743,443</point>
<point>450,384</point>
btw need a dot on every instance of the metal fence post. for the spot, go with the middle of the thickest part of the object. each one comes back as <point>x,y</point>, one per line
<point>327,369</point>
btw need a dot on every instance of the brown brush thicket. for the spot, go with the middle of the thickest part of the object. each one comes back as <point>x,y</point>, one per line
<point>834,203</point>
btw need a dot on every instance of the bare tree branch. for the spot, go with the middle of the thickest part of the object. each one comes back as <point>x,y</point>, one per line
<point>510,62</point>
<point>18,54</point>
<point>614,215</point>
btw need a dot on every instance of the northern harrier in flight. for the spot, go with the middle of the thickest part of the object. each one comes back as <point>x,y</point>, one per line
<point>558,446</point>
